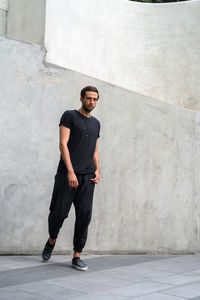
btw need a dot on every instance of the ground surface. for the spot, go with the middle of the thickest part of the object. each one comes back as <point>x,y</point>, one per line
<point>114,277</point>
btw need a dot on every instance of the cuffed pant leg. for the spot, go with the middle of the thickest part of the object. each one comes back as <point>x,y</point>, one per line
<point>61,202</point>
<point>83,209</point>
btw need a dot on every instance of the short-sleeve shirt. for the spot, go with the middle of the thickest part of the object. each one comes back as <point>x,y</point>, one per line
<point>84,133</point>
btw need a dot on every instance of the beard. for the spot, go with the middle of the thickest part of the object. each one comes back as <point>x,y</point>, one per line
<point>86,109</point>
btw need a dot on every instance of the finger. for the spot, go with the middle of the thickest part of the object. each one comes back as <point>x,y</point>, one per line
<point>96,181</point>
<point>72,183</point>
<point>76,184</point>
<point>93,179</point>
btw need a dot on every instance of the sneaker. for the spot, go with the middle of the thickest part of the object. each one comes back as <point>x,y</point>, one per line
<point>78,264</point>
<point>46,253</point>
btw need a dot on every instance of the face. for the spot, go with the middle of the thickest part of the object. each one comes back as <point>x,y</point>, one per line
<point>89,101</point>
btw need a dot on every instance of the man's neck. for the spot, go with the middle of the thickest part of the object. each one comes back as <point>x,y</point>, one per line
<point>83,112</point>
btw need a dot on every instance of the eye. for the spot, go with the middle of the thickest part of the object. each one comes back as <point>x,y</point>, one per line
<point>90,99</point>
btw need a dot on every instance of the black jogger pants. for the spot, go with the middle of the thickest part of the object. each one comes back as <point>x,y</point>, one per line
<point>62,198</point>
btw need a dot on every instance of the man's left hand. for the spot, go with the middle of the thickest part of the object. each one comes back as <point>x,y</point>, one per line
<point>96,178</point>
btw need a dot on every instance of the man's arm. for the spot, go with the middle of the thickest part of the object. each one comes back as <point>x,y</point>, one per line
<point>96,162</point>
<point>64,138</point>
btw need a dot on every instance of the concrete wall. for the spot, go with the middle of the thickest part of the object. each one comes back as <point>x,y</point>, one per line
<point>3,16</point>
<point>152,49</point>
<point>26,20</point>
<point>148,197</point>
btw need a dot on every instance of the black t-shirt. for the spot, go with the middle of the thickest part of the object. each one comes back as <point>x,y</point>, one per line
<point>84,133</point>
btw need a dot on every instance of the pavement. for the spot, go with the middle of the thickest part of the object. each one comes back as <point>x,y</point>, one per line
<point>109,277</point>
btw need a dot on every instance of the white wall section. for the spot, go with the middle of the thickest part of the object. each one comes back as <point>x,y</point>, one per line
<point>3,4</point>
<point>152,49</point>
<point>148,196</point>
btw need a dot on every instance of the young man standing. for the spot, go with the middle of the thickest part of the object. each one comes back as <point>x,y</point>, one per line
<point>78,172</point>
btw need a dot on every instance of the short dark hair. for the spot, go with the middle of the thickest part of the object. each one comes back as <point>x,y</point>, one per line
<point>89,88</point>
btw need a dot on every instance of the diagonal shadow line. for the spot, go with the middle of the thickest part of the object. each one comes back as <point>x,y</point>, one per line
<point>55,270</point>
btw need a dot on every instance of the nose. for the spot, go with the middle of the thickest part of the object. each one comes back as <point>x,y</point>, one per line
<point>92,101</point>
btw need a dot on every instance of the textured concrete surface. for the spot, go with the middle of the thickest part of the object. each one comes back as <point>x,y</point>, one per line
<point>26,20</point>
<point>152,49</point>
<point>3,16</point>
<point>141,277</point>
<point>4,5</point>
<point>148,197</point>
<point>2,21</point>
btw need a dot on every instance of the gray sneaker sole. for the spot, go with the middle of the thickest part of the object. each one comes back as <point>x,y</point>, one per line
<point>79,268</point>
<point>45,261</point>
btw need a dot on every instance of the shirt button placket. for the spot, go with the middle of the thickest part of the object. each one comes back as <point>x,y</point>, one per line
<point>87,130</point>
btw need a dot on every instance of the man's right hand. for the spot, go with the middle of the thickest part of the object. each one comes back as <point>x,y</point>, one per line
<point>72,179</point>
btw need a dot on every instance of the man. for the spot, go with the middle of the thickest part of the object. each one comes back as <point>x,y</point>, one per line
<point>78,172</point>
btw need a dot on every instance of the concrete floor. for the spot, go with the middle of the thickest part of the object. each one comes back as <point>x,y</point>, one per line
<point>112,277</point>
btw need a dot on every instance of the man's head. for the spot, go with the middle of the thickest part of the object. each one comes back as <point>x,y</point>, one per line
<point>89,98</point>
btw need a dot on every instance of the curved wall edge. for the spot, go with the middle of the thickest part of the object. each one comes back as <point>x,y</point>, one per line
<point>152,49</point>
